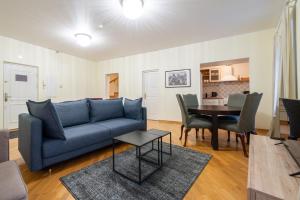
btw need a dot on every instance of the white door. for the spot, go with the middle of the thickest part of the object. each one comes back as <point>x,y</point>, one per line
<point>151,93</point>
<point>20,85</point>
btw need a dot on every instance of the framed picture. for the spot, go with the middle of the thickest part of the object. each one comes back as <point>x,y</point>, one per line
<point>178,78</point>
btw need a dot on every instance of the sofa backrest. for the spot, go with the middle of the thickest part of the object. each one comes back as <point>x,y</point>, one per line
<point>73,113</point>
<point>106,109</point>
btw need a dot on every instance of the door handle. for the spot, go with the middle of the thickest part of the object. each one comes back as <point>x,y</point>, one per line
<point>6,97</point>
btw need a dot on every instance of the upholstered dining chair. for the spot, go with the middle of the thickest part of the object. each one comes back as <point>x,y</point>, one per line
<point>189,122</point>
<point>234,100</point>
<point>246,123</point>
<point>191,100</point>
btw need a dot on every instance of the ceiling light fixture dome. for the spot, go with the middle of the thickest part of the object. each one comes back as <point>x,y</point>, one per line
<point>132,9</point>
<point>83,39</point>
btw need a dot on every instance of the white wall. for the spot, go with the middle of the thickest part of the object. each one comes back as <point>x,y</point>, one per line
<point>257,46</point>
<point>69,77</point>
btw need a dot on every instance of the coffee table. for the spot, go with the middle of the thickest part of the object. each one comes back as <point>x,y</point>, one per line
<point>139,139</point>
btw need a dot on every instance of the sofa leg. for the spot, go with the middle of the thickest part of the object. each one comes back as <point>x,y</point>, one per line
<point>203,134</point>
<point>197,130</point>
<point>50,171</point>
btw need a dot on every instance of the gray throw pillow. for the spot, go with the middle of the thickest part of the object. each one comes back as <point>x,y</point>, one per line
<point>73,113</point>
<point>106,109</point>
<point>133,109</point>
<point>46,112</point>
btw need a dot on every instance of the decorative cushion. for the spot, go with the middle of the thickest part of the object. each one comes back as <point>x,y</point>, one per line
<point>73,113</point>
<point>133,108</point>
<point>46,112</point>
<point>106,109</point>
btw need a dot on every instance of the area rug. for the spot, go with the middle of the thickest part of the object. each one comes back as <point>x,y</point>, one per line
<point>171,182</point>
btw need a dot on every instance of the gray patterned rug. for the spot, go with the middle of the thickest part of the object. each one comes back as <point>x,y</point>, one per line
<point>171,182</point>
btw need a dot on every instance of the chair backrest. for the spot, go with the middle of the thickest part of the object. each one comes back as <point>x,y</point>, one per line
<point>292,108</point>
<point>183,109</point>
<point>236,100</point>
<point>247,118</point>
<point>190,100</point>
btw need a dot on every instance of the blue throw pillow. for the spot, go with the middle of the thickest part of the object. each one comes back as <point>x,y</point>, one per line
<point>46,112</point>
<point>133,109</point>
<point>73,113</point>
<point>106,109</point>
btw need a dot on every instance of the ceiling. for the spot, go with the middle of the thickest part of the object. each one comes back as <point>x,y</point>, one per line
<point>164,24</point>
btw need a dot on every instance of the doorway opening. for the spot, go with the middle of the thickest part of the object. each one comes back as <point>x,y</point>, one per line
<point>20,84</point>
<point>112,86</point>
<point>220,79</point>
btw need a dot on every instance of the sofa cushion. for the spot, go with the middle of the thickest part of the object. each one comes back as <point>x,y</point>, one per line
<point>121,126</point>
<point>73,112</point>
<point>106,109</point>
<point>46,112</point>
<point>77,137</point>
<point>12,185</point>
<point>133,108</point>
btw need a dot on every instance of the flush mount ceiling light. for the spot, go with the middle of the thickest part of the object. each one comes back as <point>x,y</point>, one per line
<point>132,9</point>
<point>83,39</point>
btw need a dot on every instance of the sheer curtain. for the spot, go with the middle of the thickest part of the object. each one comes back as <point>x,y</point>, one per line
<point>285,63</point>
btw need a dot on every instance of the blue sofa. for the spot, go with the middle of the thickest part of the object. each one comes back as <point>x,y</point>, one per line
<point>85,129</point>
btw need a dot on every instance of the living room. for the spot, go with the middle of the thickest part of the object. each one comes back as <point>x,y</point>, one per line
<point>86,82</point>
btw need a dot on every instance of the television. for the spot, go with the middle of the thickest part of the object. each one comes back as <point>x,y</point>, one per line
<point>292,107</point>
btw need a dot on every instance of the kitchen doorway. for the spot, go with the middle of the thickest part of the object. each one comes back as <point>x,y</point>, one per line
<point>112,86</point>
<point>222,78</point>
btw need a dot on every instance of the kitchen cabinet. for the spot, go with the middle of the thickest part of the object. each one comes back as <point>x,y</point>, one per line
<point>211,75</point>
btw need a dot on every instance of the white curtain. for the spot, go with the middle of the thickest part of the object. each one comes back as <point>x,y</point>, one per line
<point>285,63</point>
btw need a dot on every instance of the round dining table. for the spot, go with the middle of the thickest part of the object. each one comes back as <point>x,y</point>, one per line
<point>214,111</point>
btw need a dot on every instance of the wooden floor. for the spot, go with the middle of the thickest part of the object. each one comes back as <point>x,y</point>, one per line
<point>224,177</point>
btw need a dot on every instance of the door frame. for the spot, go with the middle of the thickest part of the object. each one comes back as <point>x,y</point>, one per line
<point>107,85</point>
<point>143,83</point>
<point>3,82</point>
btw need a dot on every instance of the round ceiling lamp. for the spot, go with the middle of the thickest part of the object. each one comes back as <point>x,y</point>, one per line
<point>83,39</point>
<point>132,9</point>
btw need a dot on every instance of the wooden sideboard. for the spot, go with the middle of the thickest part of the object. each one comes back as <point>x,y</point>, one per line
<point>269,169</point>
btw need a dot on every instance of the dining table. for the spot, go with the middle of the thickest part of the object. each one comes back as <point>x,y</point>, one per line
<point>214,111</point>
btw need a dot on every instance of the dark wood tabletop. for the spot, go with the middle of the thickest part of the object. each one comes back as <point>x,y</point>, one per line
<point>214,111</point>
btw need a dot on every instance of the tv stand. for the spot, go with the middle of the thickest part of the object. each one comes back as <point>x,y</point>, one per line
<point>269,170</point>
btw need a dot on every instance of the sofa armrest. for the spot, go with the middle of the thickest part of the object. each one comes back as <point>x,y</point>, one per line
<point>30,141</point>
<point>4,145</point>
<point>144,117</point>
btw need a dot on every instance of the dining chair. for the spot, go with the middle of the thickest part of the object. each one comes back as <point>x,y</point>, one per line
<point>234,100</point>
<point>292,107</point>
<point>246,123</point>
<point>189,122</point>
<point>191,100</point>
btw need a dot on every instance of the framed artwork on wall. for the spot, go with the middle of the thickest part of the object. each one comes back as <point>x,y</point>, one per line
<point>178,78</point>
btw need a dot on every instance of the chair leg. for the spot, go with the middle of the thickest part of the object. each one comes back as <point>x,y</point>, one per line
<point>187,130</point>
<point>181,128</point>
<point>242,137</point>
<point>248,137</point>
<point>228,138</point>
<point>197,131</point>
<point>203,134</point>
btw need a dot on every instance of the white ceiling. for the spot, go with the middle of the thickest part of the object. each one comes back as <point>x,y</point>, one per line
<point>164,24</point>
